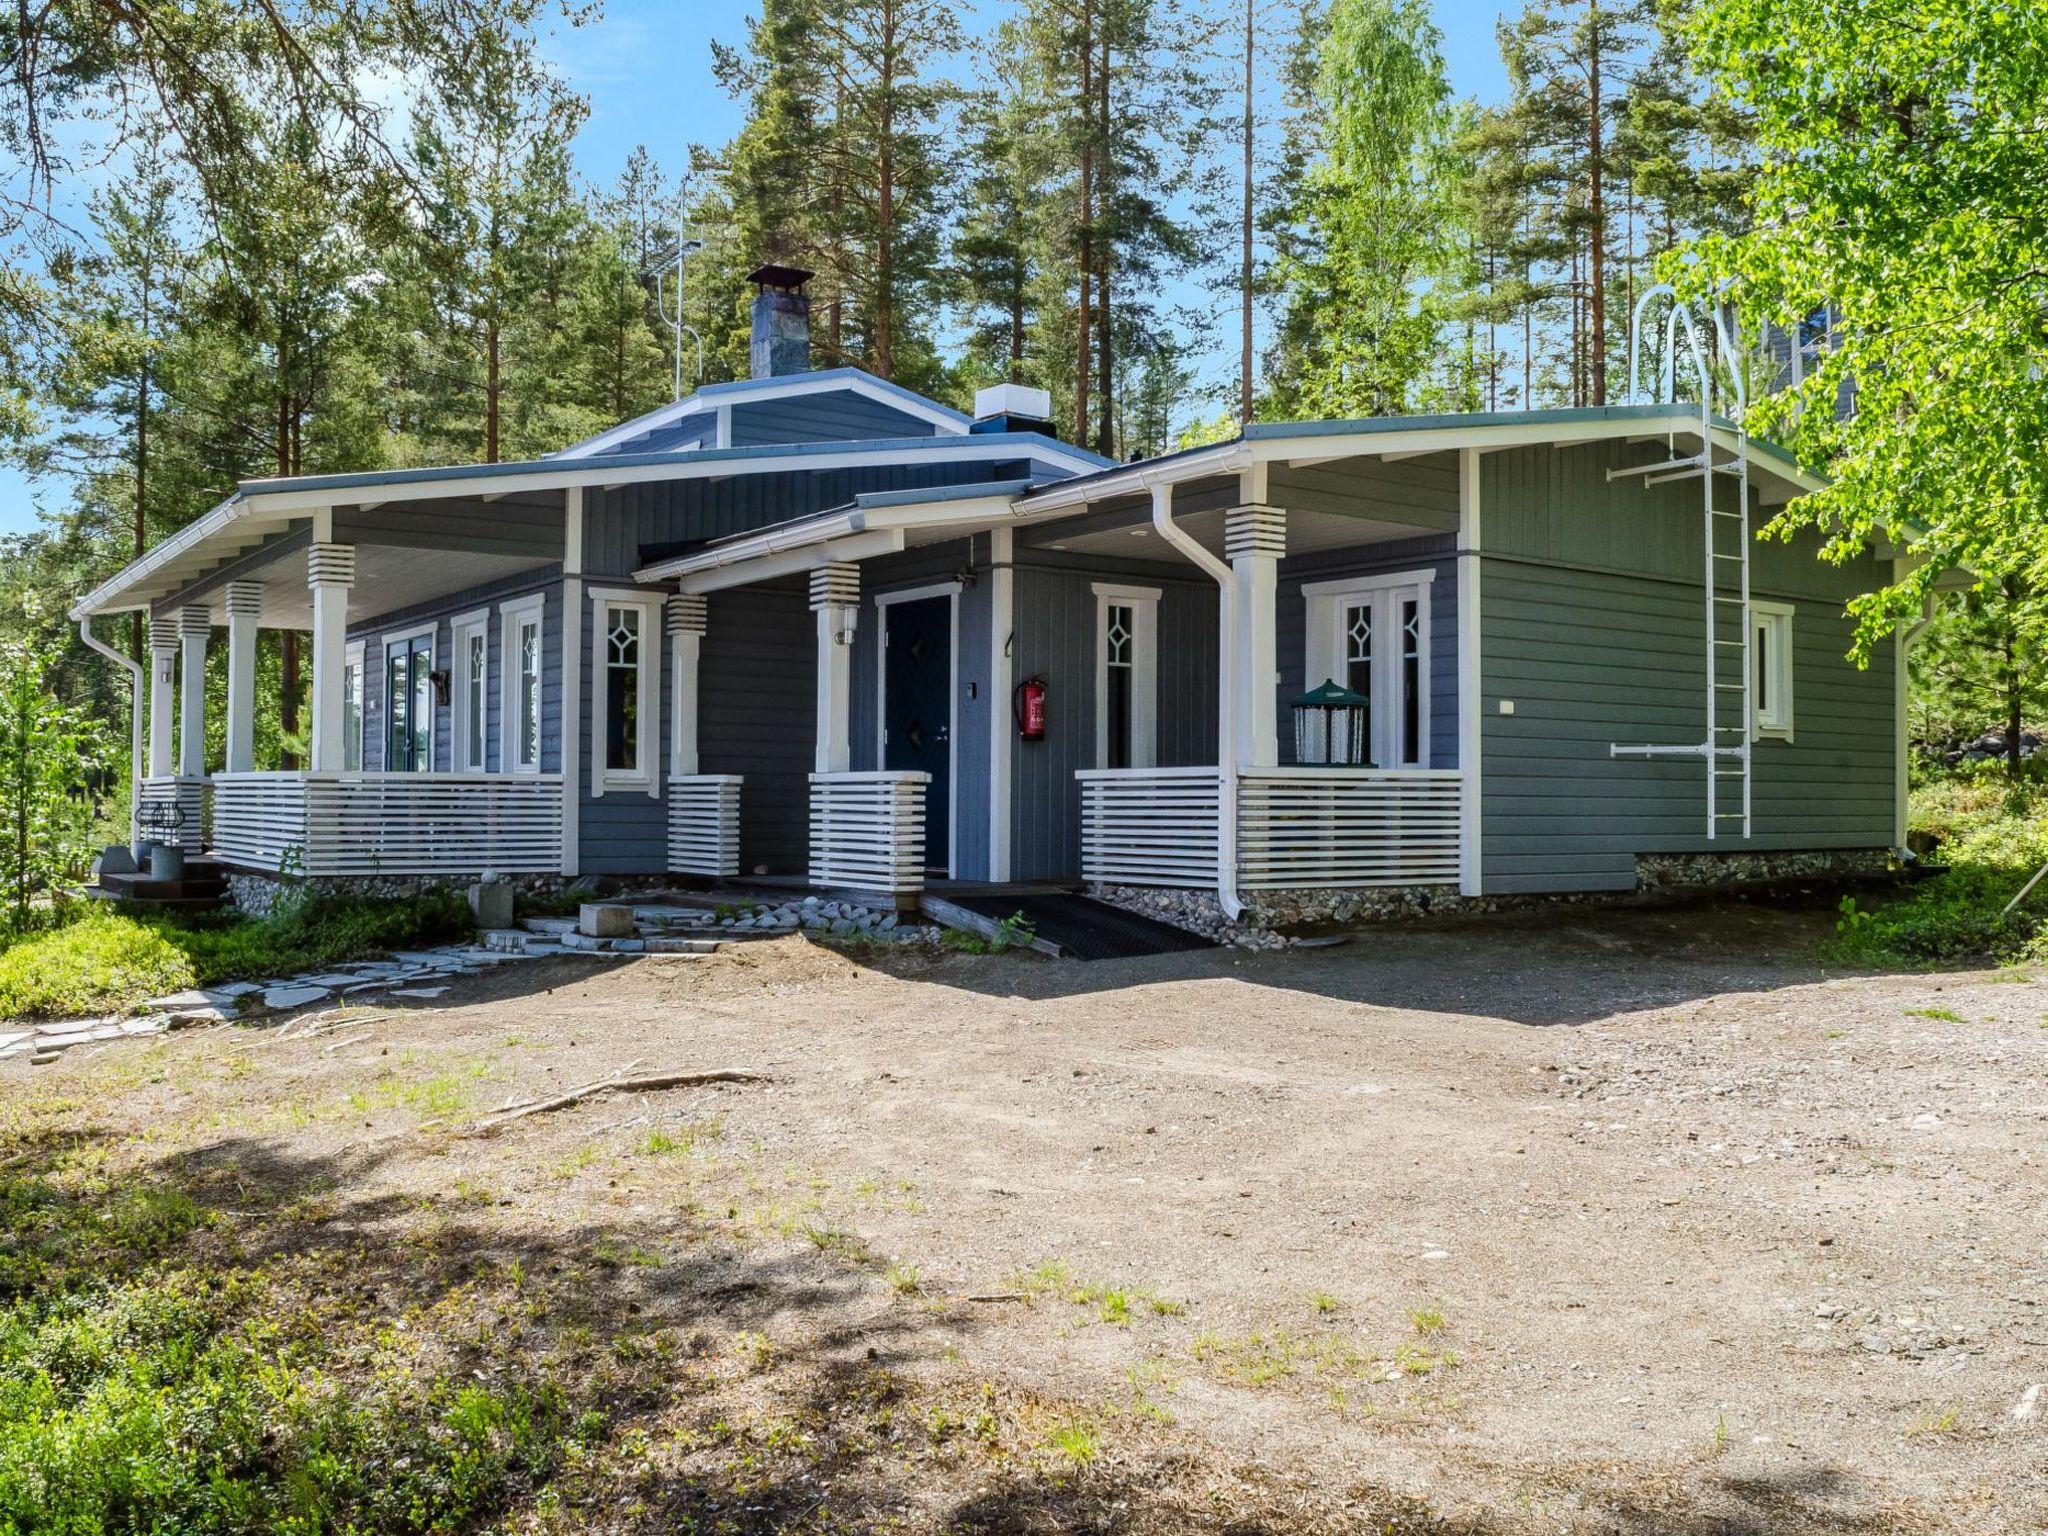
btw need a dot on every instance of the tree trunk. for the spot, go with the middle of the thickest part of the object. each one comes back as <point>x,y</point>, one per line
<point>1086,264</point>
<point>1105,333</point>
<point>2015,681</point>
<point>491,390</point>
<point>1596,234</point>
<point>882,340</point>
<point>1244,404</point>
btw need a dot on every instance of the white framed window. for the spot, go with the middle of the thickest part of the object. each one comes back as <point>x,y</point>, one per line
<point>1126,676</point>
<point>469,695</point>
<point>1770,662</point>
<point>409,701</point>
<point>352,707</point>
<point>1371,634</point>
<point>520,649</point>
<point>625,707</point>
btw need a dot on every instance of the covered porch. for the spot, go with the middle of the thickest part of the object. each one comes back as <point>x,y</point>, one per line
<point>388,784</point>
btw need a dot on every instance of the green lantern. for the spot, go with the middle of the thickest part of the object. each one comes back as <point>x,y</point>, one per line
<point>1330,725</point>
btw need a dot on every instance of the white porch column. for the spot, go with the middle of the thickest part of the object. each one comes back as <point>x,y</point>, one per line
<point>1254,538</point>
<point>330,572</point>
<point>835,599</point>
<point>688,614</point>
<point>163,676</point>
<point>245,607</point>
<point>195,628</point>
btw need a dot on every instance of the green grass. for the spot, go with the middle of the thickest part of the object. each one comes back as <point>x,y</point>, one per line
<point>100,961</point>
<point>1992,841</point>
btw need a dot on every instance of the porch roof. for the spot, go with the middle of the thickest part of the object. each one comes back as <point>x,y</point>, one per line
<point>873,523</point>
<point>258,511</point>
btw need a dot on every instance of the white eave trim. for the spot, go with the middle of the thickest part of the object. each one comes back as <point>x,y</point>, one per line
<point>552,475</point>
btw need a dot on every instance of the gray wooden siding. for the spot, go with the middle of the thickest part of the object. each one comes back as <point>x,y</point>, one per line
<point>971,703</point>
<point>757,685</point>
<point>1592,624</point>
<point>838,417</point>
<point>442,611</point>
<point>1436,553</point>
<point>1055,638</point>
<point>619,524</point>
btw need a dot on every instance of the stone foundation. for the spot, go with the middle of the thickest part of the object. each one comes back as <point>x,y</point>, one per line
<point>1656,875</point>
<point>1657,872</point>
<point>257,895</point>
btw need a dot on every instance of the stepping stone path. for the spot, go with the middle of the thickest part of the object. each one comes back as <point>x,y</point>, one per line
<point>659,929</point>
<point>410,973</point>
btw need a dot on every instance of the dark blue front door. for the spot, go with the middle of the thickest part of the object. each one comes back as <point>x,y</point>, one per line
<point>917,707</point>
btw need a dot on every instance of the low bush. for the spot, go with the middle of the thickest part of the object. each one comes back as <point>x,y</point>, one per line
<point>1992,842</point>
<point>105,960</point>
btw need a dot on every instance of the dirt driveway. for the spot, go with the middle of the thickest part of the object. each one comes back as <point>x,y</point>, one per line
<point>1633,1222</point>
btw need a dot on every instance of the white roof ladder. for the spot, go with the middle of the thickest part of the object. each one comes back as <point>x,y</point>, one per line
<point>1730,633</point>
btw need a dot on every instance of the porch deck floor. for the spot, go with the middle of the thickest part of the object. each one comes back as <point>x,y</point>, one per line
<point>1081,928</point>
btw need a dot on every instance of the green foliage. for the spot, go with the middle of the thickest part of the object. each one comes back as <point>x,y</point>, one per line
<point>145,1389</point>
<point>52,760</point>
<point>1901,184</point>
<point>106,960</point>
<point>97,963</point>
<point>1366,270</point>
<point>1992,843</point>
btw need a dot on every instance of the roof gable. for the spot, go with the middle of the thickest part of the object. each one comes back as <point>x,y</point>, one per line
<point>832,406</point>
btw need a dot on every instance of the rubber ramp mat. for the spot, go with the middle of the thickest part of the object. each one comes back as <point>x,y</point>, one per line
<point>1085,929</point>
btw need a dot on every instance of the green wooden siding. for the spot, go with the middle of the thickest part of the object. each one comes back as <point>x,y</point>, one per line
<point>1592,624</point>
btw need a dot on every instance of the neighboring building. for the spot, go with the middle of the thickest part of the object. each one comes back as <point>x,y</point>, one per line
<point>815,625</point>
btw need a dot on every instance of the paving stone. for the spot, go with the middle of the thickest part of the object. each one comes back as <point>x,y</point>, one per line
<point>418,991</point>
<point>13,1036</point>
<point>190,998</point>
<point>289,996</point>
<point>236,988</point>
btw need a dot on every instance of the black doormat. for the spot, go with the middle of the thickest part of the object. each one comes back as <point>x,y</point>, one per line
<point>1085,929</point>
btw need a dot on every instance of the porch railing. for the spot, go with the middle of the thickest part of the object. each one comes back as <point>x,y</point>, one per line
<point>389,823</point>
<point>704,825</point>
<point>173,810</point>
<point>1149,826</point>
<point>867,831</point>
<point>1297,828</point>
<point>1305,828</point>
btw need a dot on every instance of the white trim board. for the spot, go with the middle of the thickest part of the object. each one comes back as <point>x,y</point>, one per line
<point>950,590</point>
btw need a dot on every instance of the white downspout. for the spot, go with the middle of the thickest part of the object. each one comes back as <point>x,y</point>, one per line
<point>1226,705</point>
<point>135,684</point>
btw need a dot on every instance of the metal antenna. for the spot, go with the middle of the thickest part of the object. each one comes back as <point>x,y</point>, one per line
<point>675,259</point>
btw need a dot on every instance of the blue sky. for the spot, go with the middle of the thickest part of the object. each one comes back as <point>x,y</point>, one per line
<point>646,70</point>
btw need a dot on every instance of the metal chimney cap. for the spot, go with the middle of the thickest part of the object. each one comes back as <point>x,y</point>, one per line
<point>772,274</point>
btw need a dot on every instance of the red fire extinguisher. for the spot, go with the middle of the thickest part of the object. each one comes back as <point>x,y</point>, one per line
<point>1031,709</point>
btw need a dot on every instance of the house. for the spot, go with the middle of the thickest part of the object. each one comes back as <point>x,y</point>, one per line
<point>813,626</point>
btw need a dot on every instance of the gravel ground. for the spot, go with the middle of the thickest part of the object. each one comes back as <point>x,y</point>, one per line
<point>1620,1222</point>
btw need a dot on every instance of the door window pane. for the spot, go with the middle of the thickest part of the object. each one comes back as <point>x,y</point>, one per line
<point>529,694</point>
<point>1411,681</point>
<point>473,706</point>
<point>1358,664</point>
<point>409,703</point>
